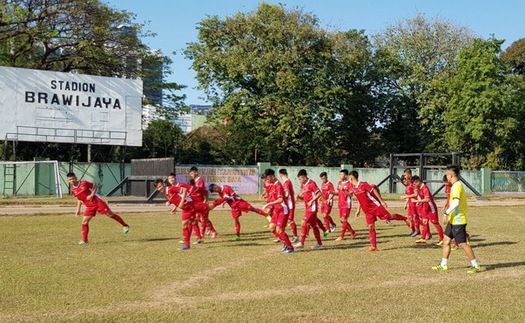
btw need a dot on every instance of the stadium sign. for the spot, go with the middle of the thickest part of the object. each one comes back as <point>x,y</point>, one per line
<point>69,108</point>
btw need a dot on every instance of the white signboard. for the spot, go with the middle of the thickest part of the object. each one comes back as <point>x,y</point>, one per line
<point>69,108</point>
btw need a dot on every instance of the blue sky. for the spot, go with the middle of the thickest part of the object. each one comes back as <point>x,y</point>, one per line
<point>175,21</point>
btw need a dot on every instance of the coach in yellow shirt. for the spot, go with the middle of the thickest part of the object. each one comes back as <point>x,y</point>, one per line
<point>455,219</point>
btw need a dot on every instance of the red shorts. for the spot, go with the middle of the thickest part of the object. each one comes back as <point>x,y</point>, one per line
<point>240,206</point>
<point>326,209</point>
<point>411,209</point>
<point>96,206</point>
<point>344,213</point>
<point>420,210</point>
<point>432,216</point>
<point>269,209</point>
<point>279,218</point>
<point>379,212</point>
<point>291,214</point>
<point>310,217</point>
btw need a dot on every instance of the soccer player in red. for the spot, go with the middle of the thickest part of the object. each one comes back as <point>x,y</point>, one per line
<point>178,195</point>
<point>280,210</point>
<point>86,193</point>
<point>310,193</point>
<point>344,194</point>
<point>372,204</point>
<point>428,210</point>
<point>410,206</point>
<point>289,198</point>
<point>327,202</point>
<point>237,205</point>
<point>200,194</point>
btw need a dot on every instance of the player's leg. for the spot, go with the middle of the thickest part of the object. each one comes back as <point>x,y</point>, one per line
<point>460,234</point>
<point>104,209</point>
<point>186,233</point>
<point>196,229</point>
<point>314,222</point>
<point>417,225</point>
<point>292,224</point>
<point>370,221</point>
<point>447,239</point>
<point>433,217</point>
<point>425,230</point>
<point>85,229</point>
<point>236,213</point>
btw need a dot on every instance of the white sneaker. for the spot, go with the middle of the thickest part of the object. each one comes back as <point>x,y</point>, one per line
<point>298,245</point>
<point>198,241</point>
<point>294,239</point>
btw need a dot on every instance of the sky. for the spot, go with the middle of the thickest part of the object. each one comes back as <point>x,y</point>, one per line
<point>175,21</point>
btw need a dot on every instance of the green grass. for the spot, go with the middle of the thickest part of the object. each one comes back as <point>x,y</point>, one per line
<point>143,278</point>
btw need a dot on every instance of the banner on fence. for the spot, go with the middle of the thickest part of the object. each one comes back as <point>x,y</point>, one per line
<point>508,182</point>
<point>243,180</point>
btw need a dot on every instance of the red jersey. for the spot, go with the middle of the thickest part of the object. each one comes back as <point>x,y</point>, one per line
<point>326,190</point>
<point>267,188</point>
<point>344,200</point>
<point>174,193</point>
<point>228,195</point>
<point>368,200</point>
<point>275,192</point>
<point>447,193</point>
<point>83,190</point>
<point>309,191</point>
<point>424,192</point>
<point>199,193</point>
<point>288,187</point>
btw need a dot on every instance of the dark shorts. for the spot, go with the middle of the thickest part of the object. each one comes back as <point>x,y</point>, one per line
<point>457,232</point>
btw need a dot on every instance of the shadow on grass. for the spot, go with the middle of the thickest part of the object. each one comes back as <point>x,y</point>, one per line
<point>155,239</point>
<point>490,244</point>
<point>504,265</point>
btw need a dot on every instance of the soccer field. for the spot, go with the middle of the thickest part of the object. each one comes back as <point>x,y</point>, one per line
<point>143,278</point>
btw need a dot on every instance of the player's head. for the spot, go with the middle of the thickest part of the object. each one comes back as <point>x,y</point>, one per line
<point>302,176</point>
<point>452,173</point>
<point>408,173</point>
<point>445,181</point>
<point>192,182</point>
<point>269,175</point>
<point>343,174</point>
<point>283,173</point>
<point>172,178</point>
<point>160,185</point>
<point>194,172</point>
<point>324,177</point>
<point>214,188</point>
<point>353,177</point>
<point>72,178</point>
<point>416,180</point>
<point>404,180</point>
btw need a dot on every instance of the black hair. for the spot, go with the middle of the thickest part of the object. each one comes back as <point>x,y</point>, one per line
<point>71,174</point>
<point>283,171</point>
<point>172,174</point>
<point>158,180</point>
<point>408,170</point>
<point>192,182</point>
<point>344,171</point>
<point>454,169</point>
<point>416,179</point>
<point>354,173</point>
<point>268,172</point>
<point>445,179</point>
<point>302,172</point>
<point>323,174</point>
<point>212,187</point>
<point>194,169</point>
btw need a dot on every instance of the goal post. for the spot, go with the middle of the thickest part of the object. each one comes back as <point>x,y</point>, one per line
<point>30,178</point>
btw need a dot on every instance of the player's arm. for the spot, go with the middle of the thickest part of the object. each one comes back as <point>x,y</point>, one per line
<point>93,192</point>
<point>79,205</point>
<point>278,201</point>
<point>315,198</point>
<point>378,194</point>
<point>358,211</point>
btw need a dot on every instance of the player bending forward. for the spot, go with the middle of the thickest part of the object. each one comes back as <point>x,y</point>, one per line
<point>310,193</point>
<point>237,205</point>
<point>86,193</point>
<point>372,204</point>
<point>200,194</point>
<point>280,210</point>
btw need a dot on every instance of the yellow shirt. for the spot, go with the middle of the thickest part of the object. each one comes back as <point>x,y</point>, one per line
<point>459,215</point>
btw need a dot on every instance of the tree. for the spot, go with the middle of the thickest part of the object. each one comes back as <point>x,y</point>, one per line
<point>484,109</point>
<point>290,87</point>
<point>162,138</point>
<point>515,57</point>
<point>414,53</point>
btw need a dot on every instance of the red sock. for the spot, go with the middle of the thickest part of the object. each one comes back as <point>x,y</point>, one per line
<point>294,228</point>
<point>332,223</point>
<point>417,224</point>
<point>237,228</point>
<point>425,232</point>
<point>399,217</point>
<point>286,240</point>
<point>277,235</point>
<point>304,232</point>
<point>317,234</point>
<point>197,230</point>
<point>439,229</point>
<point>210,226</point>
<point>344,227</point>
<point>186,233</point>
<point>307,228</point>
<point>373,237</point>
<point>349,228</point>
<point>119,220</point>
<point>327,221</point>
<point>204,225</point>
<point>261,212</point>
<point>321,225</point>
<point>85,231</point>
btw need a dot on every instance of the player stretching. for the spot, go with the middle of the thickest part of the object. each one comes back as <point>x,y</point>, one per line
<point>237,205</point>
<point>280,209</point>
<point>327,194</point>
<point>455,218</point>
<point>344,193</point>
<point>428,210</point>
<point>289,198</point>
<point>86,193</point>
<point>372,204</point>
<point>310,193</point>
<point>200,194</point>
<point>410,206</point>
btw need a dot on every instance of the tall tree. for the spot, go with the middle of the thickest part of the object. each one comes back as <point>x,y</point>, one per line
<point>515,56</point>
